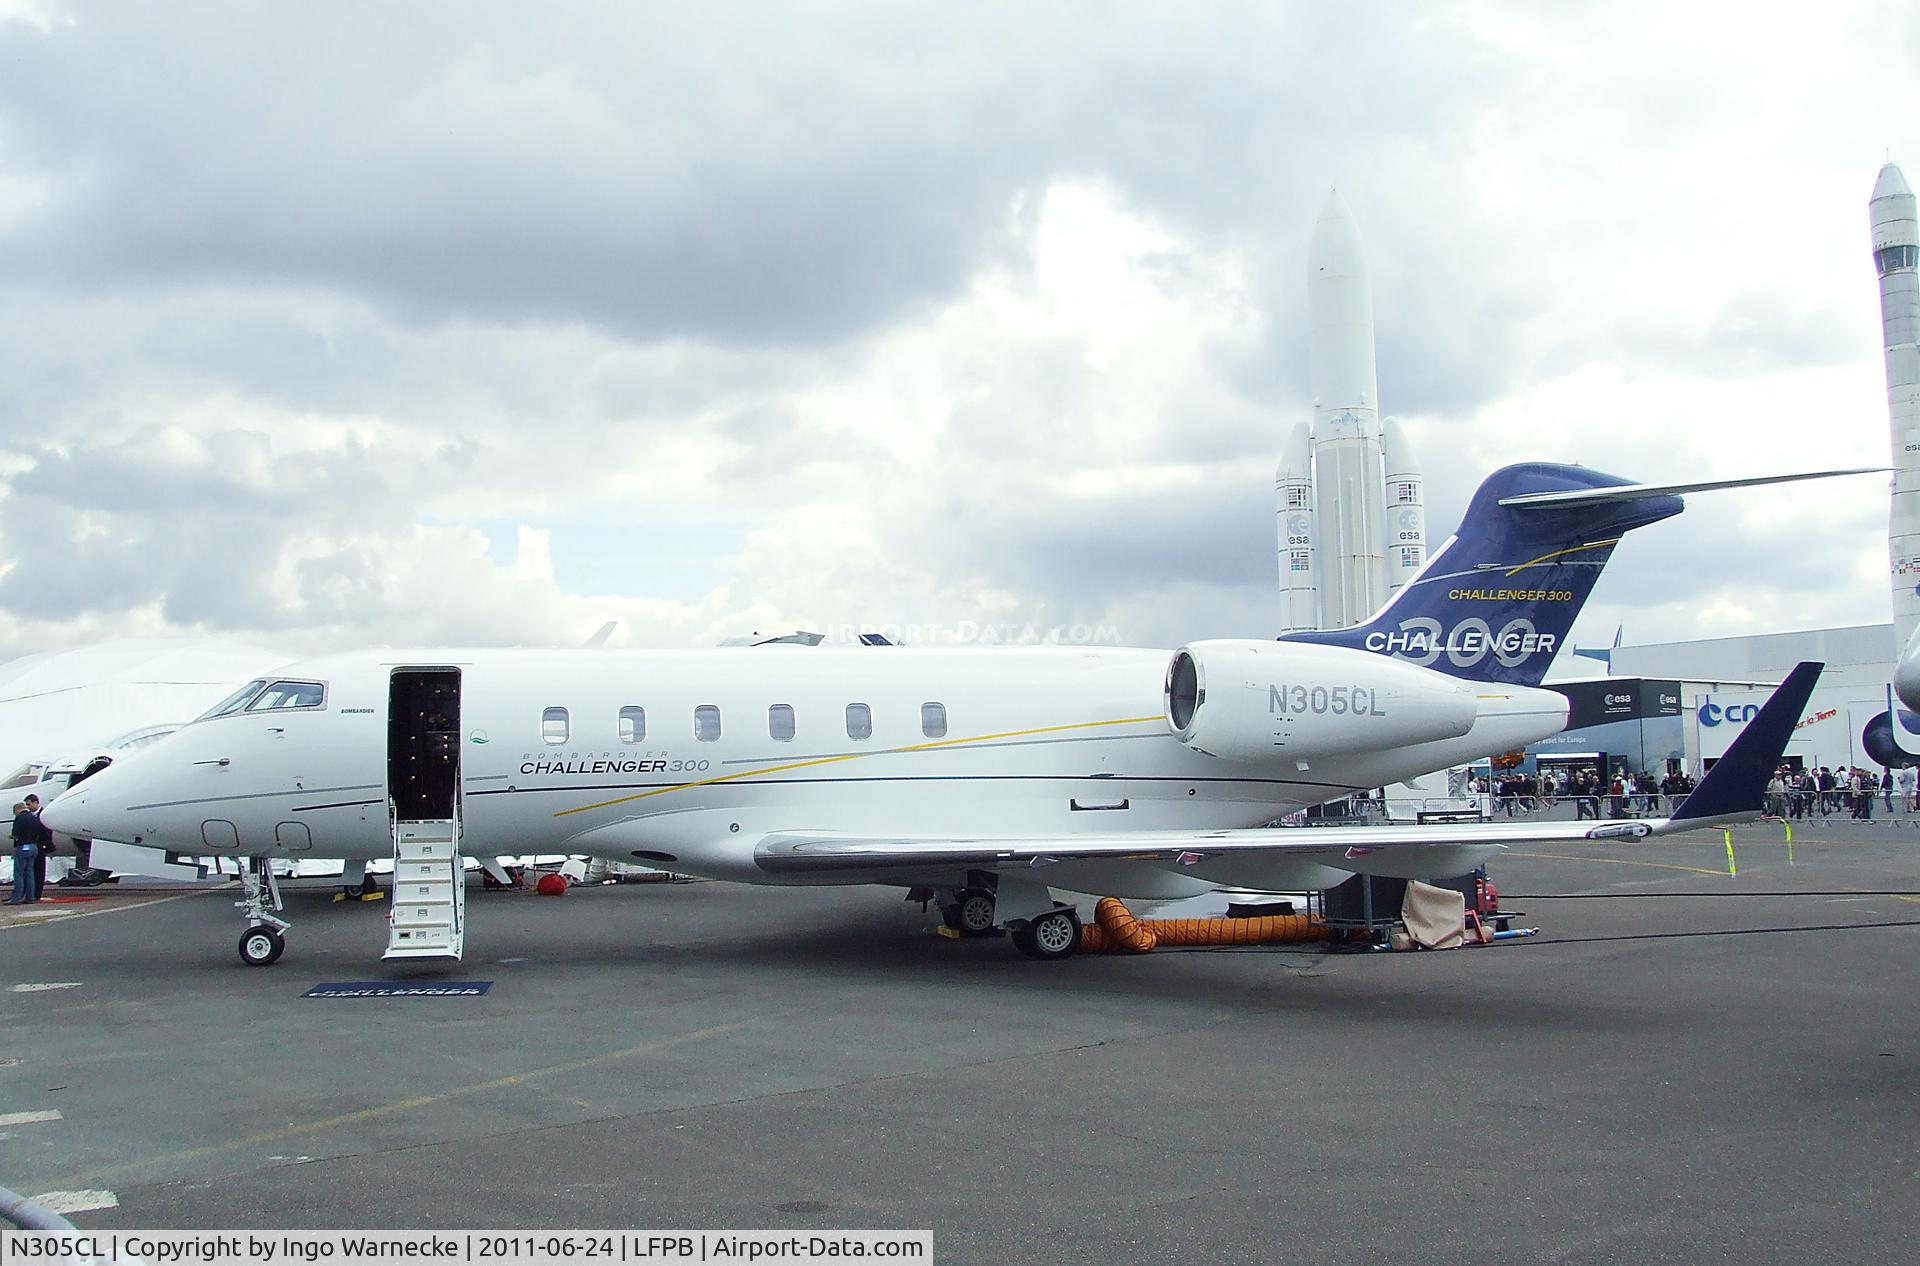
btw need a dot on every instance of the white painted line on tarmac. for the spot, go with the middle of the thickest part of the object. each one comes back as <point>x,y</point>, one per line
<point>63,915</point>
<point>43,987</point>
<point>29,1118</point>
<point>52,912</point>
<point>77,1201</point>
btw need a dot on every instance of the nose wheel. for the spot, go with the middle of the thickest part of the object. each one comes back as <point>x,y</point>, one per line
<point>266,936</point>
<point>262,946</point>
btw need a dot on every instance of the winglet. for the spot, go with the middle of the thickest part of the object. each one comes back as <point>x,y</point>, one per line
<point>1736,787</point>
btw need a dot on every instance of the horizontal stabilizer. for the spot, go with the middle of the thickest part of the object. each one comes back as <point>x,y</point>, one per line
<point>1639,492</point>
<point>1736,787</point>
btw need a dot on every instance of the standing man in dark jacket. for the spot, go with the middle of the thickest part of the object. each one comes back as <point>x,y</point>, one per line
<point>43,848</point>
<point>26,846</point>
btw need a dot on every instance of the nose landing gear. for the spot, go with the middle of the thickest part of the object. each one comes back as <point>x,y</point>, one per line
<point>265,938</point>
<point>262,945</point>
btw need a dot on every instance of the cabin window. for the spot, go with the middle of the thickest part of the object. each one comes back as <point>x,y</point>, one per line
<point>859,721</point>
<point>780,722</point>
<point>933,720</point>
<point>555,726</point>
<point>633,724</point>
<point>706,723</point>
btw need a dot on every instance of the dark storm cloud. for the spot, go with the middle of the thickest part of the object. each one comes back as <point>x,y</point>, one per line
<point>97,529</point>
<point>451,161</point>
<point>1101,546</point>
<point>628,261</point>
<point>724,174</point>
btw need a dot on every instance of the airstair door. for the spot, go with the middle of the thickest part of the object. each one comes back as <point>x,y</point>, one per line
<point>428,912</point>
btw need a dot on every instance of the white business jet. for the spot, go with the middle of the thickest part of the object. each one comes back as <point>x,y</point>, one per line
<point>983,778</point>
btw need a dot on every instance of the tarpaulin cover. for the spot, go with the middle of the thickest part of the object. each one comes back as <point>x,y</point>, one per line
<point>1435,917</point>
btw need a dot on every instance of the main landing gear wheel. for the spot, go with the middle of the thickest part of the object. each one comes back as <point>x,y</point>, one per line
<point>261,946</point>
<point>356,884</point>
<point>971,913</point>
<point>1051,936</point>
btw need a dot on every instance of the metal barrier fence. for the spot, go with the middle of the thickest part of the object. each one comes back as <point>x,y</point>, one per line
<point>1834,806</point>
<point>1487,807</point>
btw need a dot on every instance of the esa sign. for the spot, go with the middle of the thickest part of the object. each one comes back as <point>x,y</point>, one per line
<point>1712,713</point>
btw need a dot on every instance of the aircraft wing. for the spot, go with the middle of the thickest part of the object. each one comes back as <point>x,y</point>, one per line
<point>1733,791</point>
<point>800,852</point>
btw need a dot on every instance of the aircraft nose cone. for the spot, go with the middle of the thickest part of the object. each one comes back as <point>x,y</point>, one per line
<point>65,813</point>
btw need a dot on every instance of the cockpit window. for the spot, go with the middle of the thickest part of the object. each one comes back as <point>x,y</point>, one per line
<point>25,776</point>
<point>289,694</point>
<point>234,702</point>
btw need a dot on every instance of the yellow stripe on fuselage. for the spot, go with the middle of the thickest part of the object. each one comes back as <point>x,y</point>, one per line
<point>831,760</point>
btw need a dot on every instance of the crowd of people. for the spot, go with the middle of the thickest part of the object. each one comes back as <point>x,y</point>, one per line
<point>1801,793</point>
<point>1627,794</point>
<point>1792,793</point>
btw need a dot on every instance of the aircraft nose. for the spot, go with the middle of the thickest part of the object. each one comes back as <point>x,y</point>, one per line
<point>67,813</point>
<point>96,809</point>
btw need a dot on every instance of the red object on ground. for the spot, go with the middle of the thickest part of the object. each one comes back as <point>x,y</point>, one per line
<point>68,900</point>
<point>551,886</point>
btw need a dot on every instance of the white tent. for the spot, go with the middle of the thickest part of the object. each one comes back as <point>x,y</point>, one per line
<point>62,703</point>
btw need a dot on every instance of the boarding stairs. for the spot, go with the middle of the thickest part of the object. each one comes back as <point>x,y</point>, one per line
<point>428,914</point>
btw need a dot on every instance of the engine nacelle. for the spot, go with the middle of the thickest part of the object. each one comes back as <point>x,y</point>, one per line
<point>1262,701</point>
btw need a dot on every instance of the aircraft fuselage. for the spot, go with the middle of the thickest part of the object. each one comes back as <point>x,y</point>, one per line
<point>684,758</point>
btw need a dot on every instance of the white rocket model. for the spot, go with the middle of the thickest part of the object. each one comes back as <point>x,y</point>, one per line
<point>1405,510</point>
<point>1351,525</point>
<point>1896,255</point>
<point>1293,493</point>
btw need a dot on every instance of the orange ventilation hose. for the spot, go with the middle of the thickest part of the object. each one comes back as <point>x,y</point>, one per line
<point>1119,927</point>
<point>1116,930</point>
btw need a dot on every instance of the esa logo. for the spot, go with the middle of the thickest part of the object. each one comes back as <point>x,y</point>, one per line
<point>1712,713</point>
<point>1422,641</point>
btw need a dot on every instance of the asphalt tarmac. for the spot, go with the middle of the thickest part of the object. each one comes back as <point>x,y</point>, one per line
<point>1683,1066</point>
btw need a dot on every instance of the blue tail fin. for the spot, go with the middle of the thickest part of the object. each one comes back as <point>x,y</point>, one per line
<point>1495,603</point>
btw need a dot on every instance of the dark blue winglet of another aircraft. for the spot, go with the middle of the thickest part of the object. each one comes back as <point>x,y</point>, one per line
<point>1736,786</point>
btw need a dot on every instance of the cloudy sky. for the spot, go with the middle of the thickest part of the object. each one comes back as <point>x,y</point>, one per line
<point>329,325</point>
